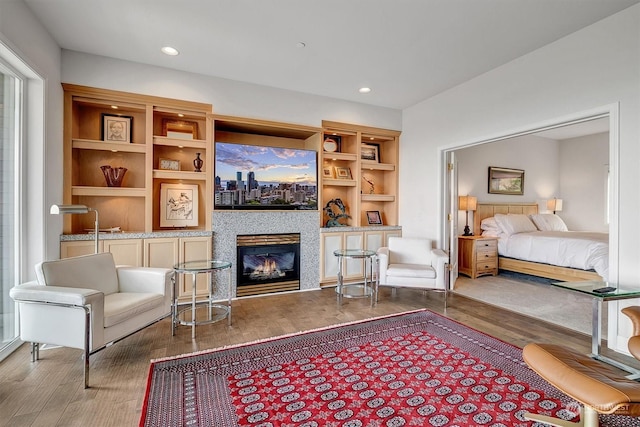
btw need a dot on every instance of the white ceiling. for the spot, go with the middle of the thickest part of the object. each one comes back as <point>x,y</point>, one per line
<point>405,50</point>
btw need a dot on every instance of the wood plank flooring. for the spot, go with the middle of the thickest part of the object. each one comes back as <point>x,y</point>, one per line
<point>50,392</point>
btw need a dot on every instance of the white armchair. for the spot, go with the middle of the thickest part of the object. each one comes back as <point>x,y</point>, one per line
<point>412,263</point>
<point>88,302</point>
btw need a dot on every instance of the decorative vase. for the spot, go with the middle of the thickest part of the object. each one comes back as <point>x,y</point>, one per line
<point>198,162</point>
<point>113,176</point>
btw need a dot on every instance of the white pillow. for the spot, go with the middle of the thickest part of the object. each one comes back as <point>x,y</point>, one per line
<point>514,223</point>
<point>548,222</point>
<point>489,224</point>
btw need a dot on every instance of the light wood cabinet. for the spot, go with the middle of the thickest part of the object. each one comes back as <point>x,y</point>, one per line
<point>125,251</point>
<point>155,129</point>
<point>362,172</point>
<point>477,256</point>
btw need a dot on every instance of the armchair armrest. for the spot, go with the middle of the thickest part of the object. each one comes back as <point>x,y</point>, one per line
<point>383,264</point>
<point>145,279</point>
<point>33,292</point>
<point>438,261</point>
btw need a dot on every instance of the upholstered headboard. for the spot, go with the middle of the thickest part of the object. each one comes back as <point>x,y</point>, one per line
<point>486,210</point>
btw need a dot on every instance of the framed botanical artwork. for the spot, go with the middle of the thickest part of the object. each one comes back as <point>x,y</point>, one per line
<point>506,181</point>
<point>179,129</point>
<point>116,128</point>
<point>370,152</point>
<point>374,218</point>
<point>169,164</point>
<point>327,172</point>
<point>178,205</point>
<point>343,173</point>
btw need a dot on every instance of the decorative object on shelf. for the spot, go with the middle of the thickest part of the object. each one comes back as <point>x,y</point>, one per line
<point>169,164</point>
<point>198,162</point>
<point>179,129</point>
<point>336,216</point>
<point>372,186</point>
<point>554,205</point>
<point>327,172</point>
<point>116,128</point>
<point>178,205</point>
<point>78,209</point>
<point>467,203</point>
<point>343,173</point>
<point>374,218</point>
<point>506,181</point>
<point>332,143</point>
<point>114,176</point>
<point>370,152</point>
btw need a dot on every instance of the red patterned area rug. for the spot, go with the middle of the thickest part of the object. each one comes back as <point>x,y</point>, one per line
<point>410,369</point>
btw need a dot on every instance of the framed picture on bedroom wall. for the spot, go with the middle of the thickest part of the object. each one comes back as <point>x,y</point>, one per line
<point>506,181</point>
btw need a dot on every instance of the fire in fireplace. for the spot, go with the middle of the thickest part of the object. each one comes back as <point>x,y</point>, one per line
<point>267,263</point>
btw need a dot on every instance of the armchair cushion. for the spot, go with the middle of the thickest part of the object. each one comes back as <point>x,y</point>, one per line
<point>412,262</point>
<point>96,271</point>
<point>411,270</point>
<point>122,306</point>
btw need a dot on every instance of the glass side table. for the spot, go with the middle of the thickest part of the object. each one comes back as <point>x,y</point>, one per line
<point>369,287</point>
<point>619,293</point>
<point>186,313</point>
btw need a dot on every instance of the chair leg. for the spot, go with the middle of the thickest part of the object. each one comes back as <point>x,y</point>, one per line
<point>87,332</point>
<point>35,351</point>
<point>588,418</point>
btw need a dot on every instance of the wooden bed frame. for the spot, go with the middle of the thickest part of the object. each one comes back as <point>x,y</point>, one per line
<point>565,274</point>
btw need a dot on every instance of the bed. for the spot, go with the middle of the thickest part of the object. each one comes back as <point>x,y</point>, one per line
<point>580,255</point>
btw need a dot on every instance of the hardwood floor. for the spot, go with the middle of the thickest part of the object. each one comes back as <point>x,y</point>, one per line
<point>50,392</point>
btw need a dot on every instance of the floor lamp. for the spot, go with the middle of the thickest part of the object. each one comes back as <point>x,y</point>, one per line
<point>467,203</point>
<point>77,209</point>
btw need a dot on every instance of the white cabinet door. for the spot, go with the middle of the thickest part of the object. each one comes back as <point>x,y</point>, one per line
<point>125,251</point>
<point>195,249</point>
<point>329,242</point>
<point>354,267</point>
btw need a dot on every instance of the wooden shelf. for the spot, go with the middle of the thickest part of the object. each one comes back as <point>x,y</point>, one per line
<point>166,174</point>
<point>340,156</point>
<point>90,144</point>
<point>179,143</point>
<point>107,191</point>
<point>339,182</point>
<point>377,197</point>
<point>367,165</point>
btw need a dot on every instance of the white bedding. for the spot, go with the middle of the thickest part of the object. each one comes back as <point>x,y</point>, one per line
<point>575,249</point>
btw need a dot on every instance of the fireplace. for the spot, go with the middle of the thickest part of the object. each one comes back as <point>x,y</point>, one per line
<point>267,263</point>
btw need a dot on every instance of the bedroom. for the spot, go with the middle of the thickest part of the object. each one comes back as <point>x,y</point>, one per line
<point>568,163</point>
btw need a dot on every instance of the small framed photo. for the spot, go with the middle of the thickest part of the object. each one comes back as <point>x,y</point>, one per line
<point>332,143</point>
<point>370,153</point>
<point>179,129</point>
<point>169,164</point>
<point>178,205</point>
<point>327,172</point>
<point>116,128</point>
<point>506,181</point>
<point>374,218</point>
<point>343,173</point>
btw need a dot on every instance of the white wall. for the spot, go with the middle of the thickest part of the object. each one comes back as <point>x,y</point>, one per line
<point>583,163</point>
<point>589,69</point>
<point>26,37</point>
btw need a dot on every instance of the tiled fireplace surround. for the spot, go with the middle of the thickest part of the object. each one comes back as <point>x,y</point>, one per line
<point>228,224</point>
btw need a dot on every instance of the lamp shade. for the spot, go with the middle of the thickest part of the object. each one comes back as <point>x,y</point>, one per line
<point>467,203</point>
<point>68,209</point>
<point>554,205</point>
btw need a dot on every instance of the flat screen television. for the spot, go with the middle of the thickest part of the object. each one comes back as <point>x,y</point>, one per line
<point>254,177</point>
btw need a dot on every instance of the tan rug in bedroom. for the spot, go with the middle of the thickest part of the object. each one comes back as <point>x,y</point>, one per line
<point>542,301</point>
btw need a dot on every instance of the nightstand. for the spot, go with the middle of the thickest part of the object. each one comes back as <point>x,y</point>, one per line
<point>477,256</point>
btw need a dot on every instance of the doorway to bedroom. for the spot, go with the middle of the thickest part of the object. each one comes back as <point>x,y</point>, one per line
<point>573,160</point>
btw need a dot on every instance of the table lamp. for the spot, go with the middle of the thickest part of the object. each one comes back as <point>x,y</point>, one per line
<point>77,209</point>
<point>467,203</point>
<point>554,205</point>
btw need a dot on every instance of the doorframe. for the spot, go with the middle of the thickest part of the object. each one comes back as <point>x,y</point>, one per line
<point>449,210</point>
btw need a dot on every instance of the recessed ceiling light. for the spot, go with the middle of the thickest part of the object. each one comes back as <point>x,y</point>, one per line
<point>115,107</point>
<point>180,115</point>
<point>364,90</point>
<point>168,50</point>
<point>301,45</point>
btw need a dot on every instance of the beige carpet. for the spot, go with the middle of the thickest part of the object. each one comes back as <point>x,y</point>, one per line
<point>542,301</point>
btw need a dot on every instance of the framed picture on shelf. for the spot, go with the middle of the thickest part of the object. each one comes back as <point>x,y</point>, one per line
<point>178,205</point>
<point>327,172</point>
<point>169,164</point>
<point>343,173</point>
<point>332,143</point>
<point>116,128</point>
<point>179,129</point>
<point>506,181</point>
<point>370,152</point>
<point>374,218</point>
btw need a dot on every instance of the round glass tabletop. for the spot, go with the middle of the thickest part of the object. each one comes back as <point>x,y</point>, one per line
<point>354,253</point>
<point>201,266</point>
